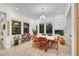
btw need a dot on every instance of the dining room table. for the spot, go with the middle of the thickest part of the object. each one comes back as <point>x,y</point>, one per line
<point>49,38</point>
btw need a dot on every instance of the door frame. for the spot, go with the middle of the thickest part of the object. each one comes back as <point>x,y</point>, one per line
<point>77,30</point>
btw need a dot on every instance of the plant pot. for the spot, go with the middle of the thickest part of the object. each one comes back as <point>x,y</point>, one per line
<point>62,41</point>
<point>16,42</point>
<point>23,41</point>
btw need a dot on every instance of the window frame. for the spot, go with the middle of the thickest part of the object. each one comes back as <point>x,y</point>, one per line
<point>16,27</point>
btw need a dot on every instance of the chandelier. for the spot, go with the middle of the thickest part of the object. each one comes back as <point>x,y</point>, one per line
<point>43,14</point>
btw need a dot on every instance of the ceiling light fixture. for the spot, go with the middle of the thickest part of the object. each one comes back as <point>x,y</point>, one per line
<point>43,14</point>
<point>17,8</point>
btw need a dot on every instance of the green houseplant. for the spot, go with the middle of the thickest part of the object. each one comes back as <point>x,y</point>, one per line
<point>61,40</point>
<point>34,32</point>
<point>61,33</point>
<point>16,39</point>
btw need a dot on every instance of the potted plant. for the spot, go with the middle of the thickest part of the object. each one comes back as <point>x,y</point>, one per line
<point>35,32</point>
<point>16,40</point>
<point>61,40</point>
<point>61,33</point>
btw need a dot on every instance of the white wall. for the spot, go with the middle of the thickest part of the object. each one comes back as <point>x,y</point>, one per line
<point>68,34</point>
<point>68,25</point>
<point>71,27</point>
<point>59,22</point>
<point>1,17</point>
<point>74,29</point>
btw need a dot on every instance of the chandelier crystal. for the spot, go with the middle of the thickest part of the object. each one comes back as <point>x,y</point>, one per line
<point>43,14</point>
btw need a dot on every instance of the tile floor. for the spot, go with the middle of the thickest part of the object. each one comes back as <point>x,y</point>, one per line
<point>26,49</point>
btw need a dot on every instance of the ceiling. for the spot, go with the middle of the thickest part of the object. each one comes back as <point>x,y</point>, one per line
<point>34,9</point>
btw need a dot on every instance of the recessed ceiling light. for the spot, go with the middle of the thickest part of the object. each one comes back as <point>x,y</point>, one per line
<point>16,8</point>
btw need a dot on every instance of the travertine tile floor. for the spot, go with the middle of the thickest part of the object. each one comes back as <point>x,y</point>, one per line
<point>26,49</point>
<point>1,46</point>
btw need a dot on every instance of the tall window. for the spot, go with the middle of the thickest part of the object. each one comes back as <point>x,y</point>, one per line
<point>41,27</point>
<point>26,28</point>
<point>16,27</point>
<point>61,32</point>
<point>49,28</point>
<point>36,29</point>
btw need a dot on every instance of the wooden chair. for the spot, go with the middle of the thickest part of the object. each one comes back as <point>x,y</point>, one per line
<point>61,41</point>
<point>43,44</point>
<point>51,43</point>
<point>55,43</point>
<point>35,42</point>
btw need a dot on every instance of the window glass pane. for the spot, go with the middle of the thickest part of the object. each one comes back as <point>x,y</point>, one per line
<point>16,27</point>
<point>49,28</point>
<point>26,28</point>
<point>41,28</point>
<point>61,32</point>
<point>36,29</point>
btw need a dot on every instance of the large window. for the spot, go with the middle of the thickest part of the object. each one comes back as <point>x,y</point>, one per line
<point>49,28</point>
<point>26,28</point>
<point>16,27</point>
<point>61,32</point>
<point>41,27</point>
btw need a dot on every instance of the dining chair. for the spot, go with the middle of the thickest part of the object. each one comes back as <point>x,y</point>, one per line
<point>43,44</point>
<point>35,41</point>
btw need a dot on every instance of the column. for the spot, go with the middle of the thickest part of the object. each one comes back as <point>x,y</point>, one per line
<point>44,28</point>
<point>53,30</point>
<point>38,29</point>
<point>22,27</point>
<point>73,30</point>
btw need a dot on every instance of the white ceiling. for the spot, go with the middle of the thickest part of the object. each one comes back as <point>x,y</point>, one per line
<point>34,9</point>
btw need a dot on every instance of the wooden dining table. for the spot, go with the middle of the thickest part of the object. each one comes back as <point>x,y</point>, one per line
<point>49,38</point>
